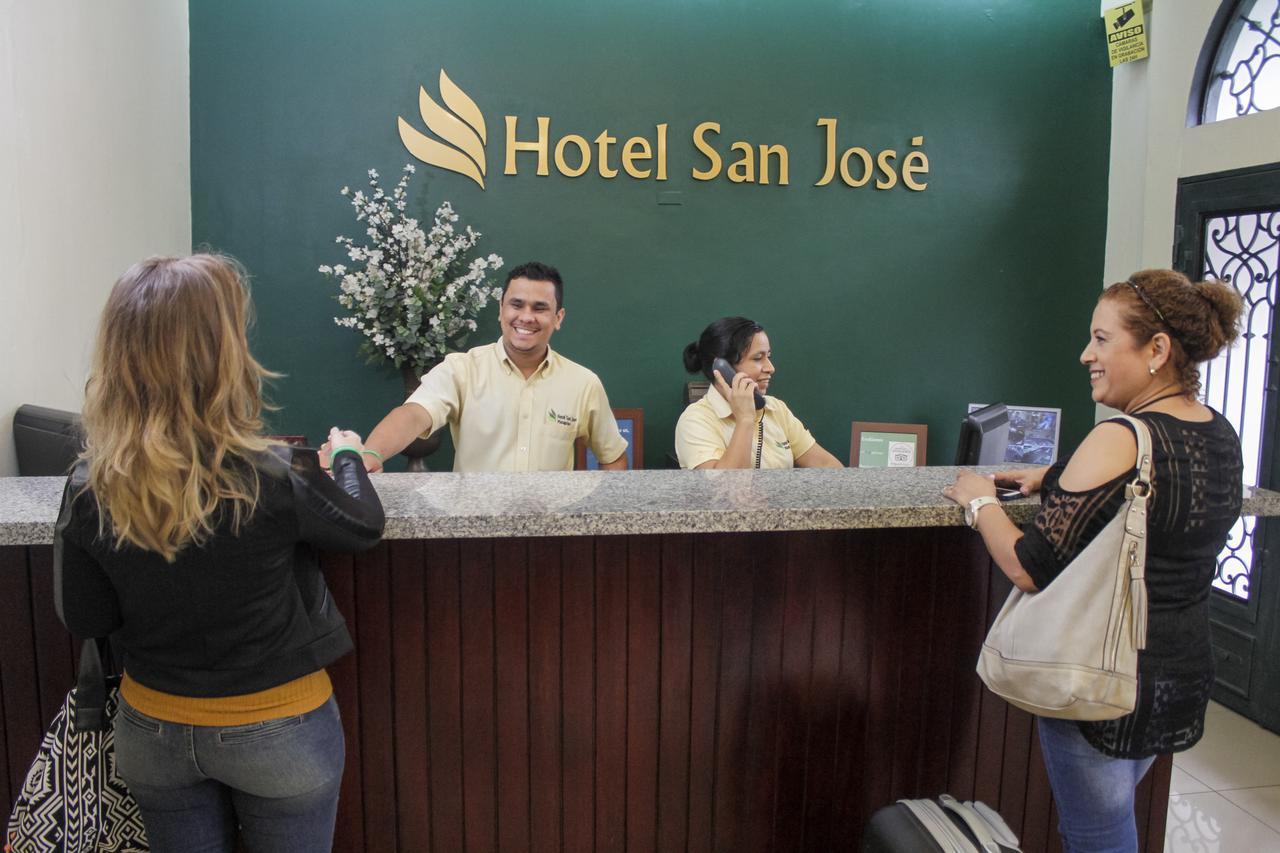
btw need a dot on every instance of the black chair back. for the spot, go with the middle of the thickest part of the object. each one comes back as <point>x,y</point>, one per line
<point>47,441</point>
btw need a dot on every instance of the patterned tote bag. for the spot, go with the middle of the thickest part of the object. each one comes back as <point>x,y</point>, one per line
<point>72,800</point>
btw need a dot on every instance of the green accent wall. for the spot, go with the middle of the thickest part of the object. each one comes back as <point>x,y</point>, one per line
<point>881,305</point>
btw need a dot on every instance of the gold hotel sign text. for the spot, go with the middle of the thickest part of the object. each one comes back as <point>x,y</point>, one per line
<point>465,136</point>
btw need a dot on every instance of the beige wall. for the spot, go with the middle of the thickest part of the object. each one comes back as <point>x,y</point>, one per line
<point>1151,146</point>
<point>95,132</point>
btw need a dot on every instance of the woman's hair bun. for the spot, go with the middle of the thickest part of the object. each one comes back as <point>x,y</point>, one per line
<point>1227,308</point>
<point>693,358</point>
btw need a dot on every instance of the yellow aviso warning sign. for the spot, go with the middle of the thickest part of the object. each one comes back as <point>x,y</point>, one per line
<point>1126,33</point>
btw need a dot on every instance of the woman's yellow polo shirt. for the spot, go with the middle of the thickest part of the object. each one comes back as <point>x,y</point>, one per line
<point>705,427</point>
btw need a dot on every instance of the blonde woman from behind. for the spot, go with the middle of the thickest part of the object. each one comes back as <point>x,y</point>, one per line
<point>191,540</point>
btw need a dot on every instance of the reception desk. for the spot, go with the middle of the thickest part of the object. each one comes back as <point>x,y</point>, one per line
<point>649,660</point>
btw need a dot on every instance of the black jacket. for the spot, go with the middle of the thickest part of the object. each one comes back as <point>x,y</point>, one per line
<point>238,614</point>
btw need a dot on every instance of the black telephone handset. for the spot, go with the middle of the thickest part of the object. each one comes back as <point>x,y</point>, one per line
<point>726,371</point>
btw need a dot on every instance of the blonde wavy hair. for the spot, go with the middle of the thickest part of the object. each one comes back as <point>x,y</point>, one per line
<point>173,403</point>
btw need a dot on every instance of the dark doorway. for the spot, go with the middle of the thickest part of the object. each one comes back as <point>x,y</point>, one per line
<point>1228,227</point>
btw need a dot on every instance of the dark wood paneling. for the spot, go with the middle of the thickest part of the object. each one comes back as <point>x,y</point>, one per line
<point>709,562</point>
<point>410,670</point>
<point>912,621</point>
<point>644,605</point>
<point>764,690</point>
<point>882,680</point>
<point>23,722</point>
<point>959,549</point>
<point>729,812</point>
<point>479,725</point>
<point>376,700</point>
<point>545,717</point>
<point>443,699</point>
<point>675,666</point>
<point>1039,823</point>
<point>850,811</point>
<point>511,701</point>
<point>796,699</point>
<point>345,673</point>
<point>943,671</point>
<point>444,758</point>
<point>56,651</point>
<point>702,693</point>
<point>823,730</point>
<point>17,744</point>
<point>578,617</point>
<point>1155,800</point>
<point>611,692</point>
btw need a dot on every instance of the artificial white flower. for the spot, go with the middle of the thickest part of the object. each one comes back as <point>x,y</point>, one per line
<point>415,297</point>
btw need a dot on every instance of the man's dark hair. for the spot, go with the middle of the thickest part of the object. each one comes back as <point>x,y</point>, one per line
<point>535,271</point>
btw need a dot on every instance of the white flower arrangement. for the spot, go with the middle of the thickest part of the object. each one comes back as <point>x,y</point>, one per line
<point>415,297</point>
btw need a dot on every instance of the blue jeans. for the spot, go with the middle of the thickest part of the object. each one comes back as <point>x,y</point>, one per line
<point>1094,792</point>
<point>277,781</point>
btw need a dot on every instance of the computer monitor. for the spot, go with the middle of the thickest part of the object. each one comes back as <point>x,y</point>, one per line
<point>47,441</point>
<point>984,435</point>
<point>1033,433</point>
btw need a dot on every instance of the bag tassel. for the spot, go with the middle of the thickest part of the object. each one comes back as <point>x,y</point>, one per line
<point>1137,600</point>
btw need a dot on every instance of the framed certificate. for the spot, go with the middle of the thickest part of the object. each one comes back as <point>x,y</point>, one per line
<point>881,445</point>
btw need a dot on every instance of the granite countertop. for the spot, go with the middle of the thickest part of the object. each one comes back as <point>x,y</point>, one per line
<point>594,503</point>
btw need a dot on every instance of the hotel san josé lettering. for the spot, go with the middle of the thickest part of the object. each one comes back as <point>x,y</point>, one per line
<point>533,145</point>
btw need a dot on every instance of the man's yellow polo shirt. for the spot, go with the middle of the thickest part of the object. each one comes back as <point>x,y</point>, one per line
<point>705,427</point>
<point>501,421</point>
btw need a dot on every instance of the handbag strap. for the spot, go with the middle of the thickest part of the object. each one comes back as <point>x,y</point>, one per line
<point>91,690</point>
<point>1133,549</point>
<point>1142,433</point>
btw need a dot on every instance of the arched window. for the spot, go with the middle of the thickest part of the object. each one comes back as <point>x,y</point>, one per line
<point>1239,68</point>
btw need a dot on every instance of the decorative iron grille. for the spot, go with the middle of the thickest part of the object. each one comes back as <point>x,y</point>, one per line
<point>1243,249</point>
<point>1246,67</point>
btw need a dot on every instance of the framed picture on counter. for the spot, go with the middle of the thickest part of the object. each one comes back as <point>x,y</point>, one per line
<point>631,426</point>
<point>883,445</point>
<point>1033,433</point>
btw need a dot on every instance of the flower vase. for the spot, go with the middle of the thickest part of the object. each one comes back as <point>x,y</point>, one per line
<point>420,448</point>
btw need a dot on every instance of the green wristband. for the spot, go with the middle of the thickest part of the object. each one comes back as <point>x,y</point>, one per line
<point>333,454</point>
<point>373,453</point>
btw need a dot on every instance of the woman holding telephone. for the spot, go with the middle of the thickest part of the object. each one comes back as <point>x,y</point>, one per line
<point>737,425</point>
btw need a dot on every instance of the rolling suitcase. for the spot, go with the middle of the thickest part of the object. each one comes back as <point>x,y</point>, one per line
<point>944,825</point>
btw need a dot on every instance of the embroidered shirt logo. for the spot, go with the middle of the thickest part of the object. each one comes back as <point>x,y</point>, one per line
<point>785,444</point>
<point>555,417</point>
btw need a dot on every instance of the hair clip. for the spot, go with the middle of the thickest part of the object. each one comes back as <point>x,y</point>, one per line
<point>1147,299</point>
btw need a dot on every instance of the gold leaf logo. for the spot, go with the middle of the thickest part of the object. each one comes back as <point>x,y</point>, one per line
<point>463,128</point>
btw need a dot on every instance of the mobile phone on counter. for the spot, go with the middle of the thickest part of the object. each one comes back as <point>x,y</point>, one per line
<point>1008,494</point>
<point>726,371</point>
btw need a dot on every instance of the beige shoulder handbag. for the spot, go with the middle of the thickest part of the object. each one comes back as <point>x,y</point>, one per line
<point>1071,649</point>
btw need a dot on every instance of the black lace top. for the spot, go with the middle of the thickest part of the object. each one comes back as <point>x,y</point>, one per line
<point>1196,499</point>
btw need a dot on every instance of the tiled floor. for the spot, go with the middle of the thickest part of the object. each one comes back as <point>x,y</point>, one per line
<point>1225,794</point>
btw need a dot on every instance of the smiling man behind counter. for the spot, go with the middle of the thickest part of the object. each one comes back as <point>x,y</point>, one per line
<point>514,405</point>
